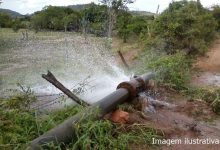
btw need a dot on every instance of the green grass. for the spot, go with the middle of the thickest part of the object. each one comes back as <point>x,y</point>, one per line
<point>210,95</point>
<point>103,135</point>
<point>19,125</point>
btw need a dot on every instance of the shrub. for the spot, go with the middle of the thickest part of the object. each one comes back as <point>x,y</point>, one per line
<point>186,25</point>
<point>216,14</point>
<point>173,70</point>
<point>6,20</point>
<point>16,25</point>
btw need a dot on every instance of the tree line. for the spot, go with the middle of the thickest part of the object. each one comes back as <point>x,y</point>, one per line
<point>93,19</point>
<point>188,22</point>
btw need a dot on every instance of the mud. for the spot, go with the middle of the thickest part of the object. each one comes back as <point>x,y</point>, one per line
<point>209,68</point>
<point>188,120</point>
<point>207,79</point>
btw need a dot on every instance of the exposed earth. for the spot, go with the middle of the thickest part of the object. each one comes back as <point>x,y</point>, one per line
<point>189,119</point>
<point>208,68</point>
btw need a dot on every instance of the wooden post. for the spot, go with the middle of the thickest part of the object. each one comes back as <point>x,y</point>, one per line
<point>51,78</point>
<point>123,59</point>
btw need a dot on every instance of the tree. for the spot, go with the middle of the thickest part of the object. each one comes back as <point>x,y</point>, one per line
<point>5,20</point>
<point>117,4</point>
<point>123,22</point>
<point>38,22</point>
<point>72,21</point>
<point>138,25</point>
<point>55,18</point>
<point>113,8</point>
<point>16,24</point>
<point>94,19</point>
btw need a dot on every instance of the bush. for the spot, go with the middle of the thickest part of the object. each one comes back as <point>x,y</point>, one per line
<point>216,14</point>
<point>186,25</point>
<point>16,25</point>
<point>173,70</point>
<point>6,20</point>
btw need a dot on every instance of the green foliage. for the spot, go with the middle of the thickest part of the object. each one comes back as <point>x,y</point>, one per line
<point>210,95</point>
<point>94,18</point>
<point>216,14</point>
<point>21,101</point>
<point>55,18</point>
<point>16,128</point>
<point>128,25</point>
<point>123,22</point>
<point>139,24</point>
<point>172,70</point>
<point>186,25</point>
<point>5,20</point>
<point>16,25</point>
<point>19,127</point>
<point>102,134</point>
<point>19,124</point>
<point>71,21</point>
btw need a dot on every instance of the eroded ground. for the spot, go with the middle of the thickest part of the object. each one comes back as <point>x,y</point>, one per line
<point>208,68</point>
<point>188,119</point>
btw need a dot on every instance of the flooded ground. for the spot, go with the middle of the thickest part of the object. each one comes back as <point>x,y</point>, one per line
<point>69,56</point>
<point>209,68</point>
<point>185,122</point>
<point>207,79</point>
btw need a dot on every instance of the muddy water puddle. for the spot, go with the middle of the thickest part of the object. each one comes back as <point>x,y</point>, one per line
<point>207,79</point>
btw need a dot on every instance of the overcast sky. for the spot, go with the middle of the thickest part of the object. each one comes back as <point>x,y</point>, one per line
<point>30,6</point>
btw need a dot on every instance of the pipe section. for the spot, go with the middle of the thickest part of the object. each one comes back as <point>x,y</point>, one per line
<point>65,132</point>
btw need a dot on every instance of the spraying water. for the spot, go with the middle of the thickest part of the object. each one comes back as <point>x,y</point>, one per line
<point>69,57</point>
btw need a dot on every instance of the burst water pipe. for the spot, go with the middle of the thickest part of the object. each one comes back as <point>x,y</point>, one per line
<point>65,132</point>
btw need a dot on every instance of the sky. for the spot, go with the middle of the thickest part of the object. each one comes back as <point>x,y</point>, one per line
<point>30,6</point>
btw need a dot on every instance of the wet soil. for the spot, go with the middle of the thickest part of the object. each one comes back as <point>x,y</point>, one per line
<point>187,120</point>
<point>208,67</point>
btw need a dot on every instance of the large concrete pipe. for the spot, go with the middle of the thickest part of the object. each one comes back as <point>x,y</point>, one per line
<point>65,132</point>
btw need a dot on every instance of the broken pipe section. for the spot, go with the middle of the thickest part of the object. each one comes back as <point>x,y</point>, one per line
<point>65,132</point>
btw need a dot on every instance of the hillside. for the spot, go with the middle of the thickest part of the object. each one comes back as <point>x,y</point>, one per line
<point>79,6</point>
<point>136,13</point>
<point>142,13</point>
<point>14,14</point>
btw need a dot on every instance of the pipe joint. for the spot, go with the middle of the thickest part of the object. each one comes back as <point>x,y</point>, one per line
<point>136,85</point>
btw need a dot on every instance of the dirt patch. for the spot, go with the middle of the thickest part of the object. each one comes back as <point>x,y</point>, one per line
<point>206,79</point>
<point>188,120</point>
<point>130,50</point>
<point>209,67</point>
<point>210,62</point>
